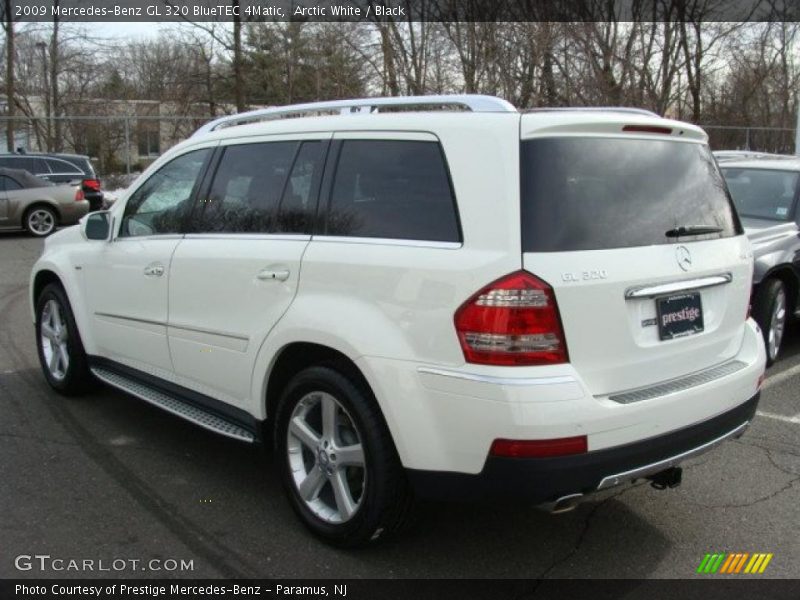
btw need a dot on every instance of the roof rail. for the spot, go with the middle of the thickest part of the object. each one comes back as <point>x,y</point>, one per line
<point>619,109</point>
<point>472,102</point>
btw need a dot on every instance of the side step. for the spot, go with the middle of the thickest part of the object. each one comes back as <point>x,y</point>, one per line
<point>173,405</point>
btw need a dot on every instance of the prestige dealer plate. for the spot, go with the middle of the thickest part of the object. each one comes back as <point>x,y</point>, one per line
<point>679,315</point>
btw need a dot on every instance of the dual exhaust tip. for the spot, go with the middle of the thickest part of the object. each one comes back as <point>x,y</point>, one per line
<point>666,479</point>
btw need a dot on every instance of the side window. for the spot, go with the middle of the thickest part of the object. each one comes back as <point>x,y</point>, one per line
<point>8,185</point>
<point>298,206</point>
<point>392,189</point>
<point>247,188</point>
<point>62,166</point>
<point>161,203</point>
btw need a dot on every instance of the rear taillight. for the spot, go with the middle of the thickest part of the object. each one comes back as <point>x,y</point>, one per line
<point>513,321</point>
<point>78,195</point>
<point>91,184</point>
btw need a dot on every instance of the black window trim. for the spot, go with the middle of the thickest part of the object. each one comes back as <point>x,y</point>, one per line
<point>329,179</point>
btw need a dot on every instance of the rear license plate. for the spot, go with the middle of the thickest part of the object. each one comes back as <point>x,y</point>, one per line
<point>679,316</point>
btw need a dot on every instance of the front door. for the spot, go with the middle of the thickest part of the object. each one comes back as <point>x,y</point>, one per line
<point>127,279</point>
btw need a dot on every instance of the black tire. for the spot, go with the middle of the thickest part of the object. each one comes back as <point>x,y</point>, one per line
<point>769,302</point>
<point>40,220</point>
<point>76,378</point>
<point>385,498</point>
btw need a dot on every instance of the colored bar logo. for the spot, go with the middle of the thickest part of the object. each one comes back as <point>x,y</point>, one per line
<point>732,563</point>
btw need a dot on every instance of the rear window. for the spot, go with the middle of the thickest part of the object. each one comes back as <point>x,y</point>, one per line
<point>599,193</point>
<point>761,193</point>
<point>393,189</point>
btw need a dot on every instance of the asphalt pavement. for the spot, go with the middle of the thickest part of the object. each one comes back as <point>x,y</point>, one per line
<point>109,479</point>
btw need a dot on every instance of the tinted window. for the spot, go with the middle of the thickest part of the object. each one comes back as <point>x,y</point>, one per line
<point>7,184</point>
<point>763,194</point>
<point>62,166</point>
<point>298,206</point>
<point>586,194</point>
<point>28,163</point>
<point>80,163</point>
<point>162,202</point>
<point>247,189</point>
<point>392,189</point>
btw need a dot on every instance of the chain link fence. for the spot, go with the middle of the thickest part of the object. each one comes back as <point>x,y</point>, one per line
<point>123,145</point>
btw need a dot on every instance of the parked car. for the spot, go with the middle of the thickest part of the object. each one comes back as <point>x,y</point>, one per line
<point>37,205</point>
<point>465,304</point>
<point>765,192</point>
<point>60,168</point>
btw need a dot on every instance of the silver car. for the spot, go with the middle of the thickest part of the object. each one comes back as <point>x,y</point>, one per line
<point>36,205</point>
<point>765,190</point>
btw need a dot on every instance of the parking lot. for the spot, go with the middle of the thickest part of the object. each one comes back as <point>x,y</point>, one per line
<point>109,477</point>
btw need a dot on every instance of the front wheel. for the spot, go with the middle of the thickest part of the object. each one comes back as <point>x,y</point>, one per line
<point>337,460</point>
<point>770,311</point>
<point>58,342</point>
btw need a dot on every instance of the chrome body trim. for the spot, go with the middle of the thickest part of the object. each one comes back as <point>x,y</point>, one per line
<point>514,381</point>
<point>651,291</point>
<point>661,465</point>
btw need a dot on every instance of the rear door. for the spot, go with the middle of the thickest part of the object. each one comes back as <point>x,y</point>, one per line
<point>237,270</point>
<point>641,300</point>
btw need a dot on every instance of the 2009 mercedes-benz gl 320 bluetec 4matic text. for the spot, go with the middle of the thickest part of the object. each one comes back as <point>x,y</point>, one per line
<point>434,297</point>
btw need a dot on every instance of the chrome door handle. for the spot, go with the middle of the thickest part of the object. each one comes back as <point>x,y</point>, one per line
<point>268,274</point>
<point>154,270</point>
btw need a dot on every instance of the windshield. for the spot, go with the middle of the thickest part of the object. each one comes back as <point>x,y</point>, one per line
<point>762,193</point>
<point>598,193</point>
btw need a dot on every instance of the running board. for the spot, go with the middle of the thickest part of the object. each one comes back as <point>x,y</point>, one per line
<point>173,405</point>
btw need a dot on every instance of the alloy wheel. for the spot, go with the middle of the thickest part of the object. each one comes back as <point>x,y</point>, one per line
<point>777,324</point>
<point>326,458</point>
<point>41,221</point>
<point>54,337</point>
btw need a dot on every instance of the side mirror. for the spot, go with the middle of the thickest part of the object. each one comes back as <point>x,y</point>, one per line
<point>97,225</point>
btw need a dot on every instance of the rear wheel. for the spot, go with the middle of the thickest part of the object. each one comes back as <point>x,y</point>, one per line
<point>337,459</point>
<point>59,345</point>
<point>770,311</point>
<point>40,221</point>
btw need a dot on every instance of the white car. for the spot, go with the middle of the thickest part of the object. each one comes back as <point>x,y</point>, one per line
<point>473,304</point>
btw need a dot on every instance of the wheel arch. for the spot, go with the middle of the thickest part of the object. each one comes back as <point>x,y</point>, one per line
<point>787,275</point>
<point>296,356</point>
<point>41,203</point>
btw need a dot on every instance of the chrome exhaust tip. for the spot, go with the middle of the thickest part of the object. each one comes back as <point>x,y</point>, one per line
<point>563,504</point>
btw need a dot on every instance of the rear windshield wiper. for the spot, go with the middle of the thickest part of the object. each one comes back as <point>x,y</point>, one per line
<point>697,230</point>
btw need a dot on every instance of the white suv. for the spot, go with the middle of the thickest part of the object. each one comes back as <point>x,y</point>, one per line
<point>411,301</point>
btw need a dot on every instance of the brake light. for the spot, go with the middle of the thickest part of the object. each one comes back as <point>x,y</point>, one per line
<point>513,321</point>
<point>92,184</point>
<point>647,129</point>
<point>539,448</point>
<point>78,195</point>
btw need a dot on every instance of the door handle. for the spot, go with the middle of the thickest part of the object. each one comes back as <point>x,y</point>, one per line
<point>154,270</point>
<point>269,274</point>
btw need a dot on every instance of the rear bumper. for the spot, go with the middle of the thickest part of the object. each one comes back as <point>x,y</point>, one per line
<point>71,213</point>
<point>545,479</point>
<point>445,419</point>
